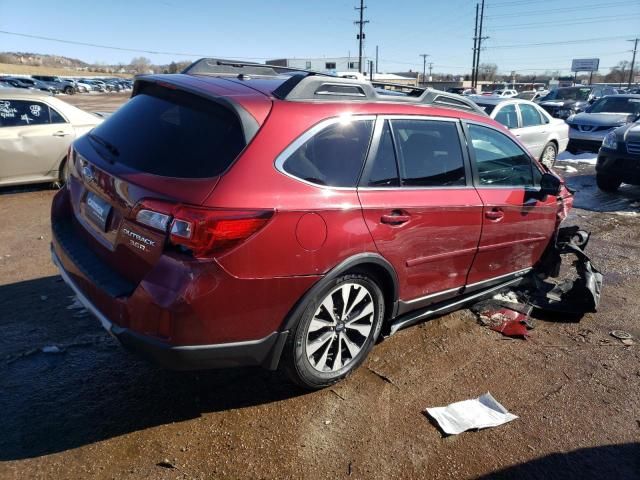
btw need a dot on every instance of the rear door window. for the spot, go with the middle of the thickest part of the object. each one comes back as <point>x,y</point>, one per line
<point>530,115</point>
<point>334,156</point>
<point>21,113</point>
<point>429,153</point>
<point>172,134</point>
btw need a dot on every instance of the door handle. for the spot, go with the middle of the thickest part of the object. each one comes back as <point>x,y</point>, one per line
<point>395,218</point>
<point>60,133</point>
<point>494,215</point>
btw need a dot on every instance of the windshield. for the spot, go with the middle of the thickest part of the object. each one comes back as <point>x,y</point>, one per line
<point>617,105</point>
<point>526,95</point>
<point>487,107</point>
<point>581,94</point>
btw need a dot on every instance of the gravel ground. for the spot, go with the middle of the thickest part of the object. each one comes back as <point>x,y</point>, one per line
<point>91,410</point>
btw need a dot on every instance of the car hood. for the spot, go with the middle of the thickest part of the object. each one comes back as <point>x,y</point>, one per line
<point>631,132</point>
<point>564,103</point>
<point>602,119</point>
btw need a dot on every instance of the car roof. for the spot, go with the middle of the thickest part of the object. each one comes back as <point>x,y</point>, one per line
<point>17,93</point>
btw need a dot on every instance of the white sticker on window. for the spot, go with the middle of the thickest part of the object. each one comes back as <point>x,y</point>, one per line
<point>6,110</point>
<point>35,110</point>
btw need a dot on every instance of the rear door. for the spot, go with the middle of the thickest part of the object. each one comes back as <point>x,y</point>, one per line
<point>30,144</point>
<point>534,130</point>
<point>420,206</point>
<point>517,223</point>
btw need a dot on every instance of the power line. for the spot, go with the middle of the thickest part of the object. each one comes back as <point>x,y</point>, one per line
<point>566,42</point>
<point>123,49</point>
<point>575,21</point>
<point>559,10</point>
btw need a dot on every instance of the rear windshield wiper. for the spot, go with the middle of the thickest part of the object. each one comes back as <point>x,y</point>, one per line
<point>111,148</point>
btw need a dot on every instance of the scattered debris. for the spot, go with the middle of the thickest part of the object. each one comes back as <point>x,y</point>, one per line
<point>41,237</point>
<point>481,412</point>
<point>51,349</point>
<point>504,314</point>
<point>623,336</point>
<point>166,464</point>
<point>327,422</point>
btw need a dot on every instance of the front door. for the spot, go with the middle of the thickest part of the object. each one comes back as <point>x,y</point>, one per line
<point>420,206</point>
<point>517,222</point>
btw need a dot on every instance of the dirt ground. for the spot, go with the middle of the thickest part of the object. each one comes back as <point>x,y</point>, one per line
<point>92,410</point>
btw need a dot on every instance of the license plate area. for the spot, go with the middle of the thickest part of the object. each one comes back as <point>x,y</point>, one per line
<point>97,211</point>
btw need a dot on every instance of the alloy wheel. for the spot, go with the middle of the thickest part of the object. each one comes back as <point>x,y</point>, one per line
<point>340,327</point>
<point>549,156</point>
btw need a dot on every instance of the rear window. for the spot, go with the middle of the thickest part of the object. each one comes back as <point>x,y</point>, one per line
<point>172,134</point>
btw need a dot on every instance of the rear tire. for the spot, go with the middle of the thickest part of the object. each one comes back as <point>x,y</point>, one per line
<point>607,183</point>
<point>337,330</point>
<point>69,90</point>
<point>549,155</point>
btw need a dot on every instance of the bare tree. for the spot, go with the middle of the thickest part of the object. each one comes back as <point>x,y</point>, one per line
<point>140,64</point>
<point>487,71</point>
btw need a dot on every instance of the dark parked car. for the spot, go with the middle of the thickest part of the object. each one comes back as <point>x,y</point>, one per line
<point>23,82</point>
<point>65,86</point>
<point>222,217</point>
<point>567,101</point>
<point>619,158</point>
<point>588,129</point>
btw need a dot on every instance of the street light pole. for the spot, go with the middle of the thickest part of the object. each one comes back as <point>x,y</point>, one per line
<point>633,60</point>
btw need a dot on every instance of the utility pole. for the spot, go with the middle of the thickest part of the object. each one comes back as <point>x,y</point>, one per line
<point>430,68</point>
<point>480,38</point>
<point>361,23</point>
<point>377,59</point>
<point>475,49</point>
<point>633,60</point>
<point>424,65</point>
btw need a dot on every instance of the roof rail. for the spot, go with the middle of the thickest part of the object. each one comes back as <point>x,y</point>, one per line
<point>310,85</point>
<point>313,87</point>
<point>219,66</point>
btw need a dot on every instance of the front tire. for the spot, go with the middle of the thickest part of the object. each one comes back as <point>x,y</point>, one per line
<point>607,183</point>
<point>549,155</point>
<point>337,330</point>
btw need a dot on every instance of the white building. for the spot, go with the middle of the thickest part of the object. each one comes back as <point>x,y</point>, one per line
<point>324,64</point>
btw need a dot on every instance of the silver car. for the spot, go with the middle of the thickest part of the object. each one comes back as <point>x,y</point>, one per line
<point>588,129</point>
<point>544,136</point>
<point>36,130</point>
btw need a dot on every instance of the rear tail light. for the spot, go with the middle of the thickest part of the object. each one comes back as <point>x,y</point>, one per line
<point>203,231</point>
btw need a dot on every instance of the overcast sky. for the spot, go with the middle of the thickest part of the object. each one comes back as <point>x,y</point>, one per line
<point>524,35</point>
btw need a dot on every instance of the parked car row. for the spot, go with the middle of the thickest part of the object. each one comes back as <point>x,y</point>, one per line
<point>55,85</point>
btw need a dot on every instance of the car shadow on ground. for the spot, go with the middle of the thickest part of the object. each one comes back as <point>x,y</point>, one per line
<point>610,461</point>
<point>589,197</point>
<point>35,187</point>
<point>89,389</point>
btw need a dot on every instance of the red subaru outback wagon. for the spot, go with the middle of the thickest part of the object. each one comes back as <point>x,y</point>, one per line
<point>241,214</point>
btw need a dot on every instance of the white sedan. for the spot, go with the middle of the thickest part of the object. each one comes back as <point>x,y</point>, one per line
<point>36,130</point>
<point>544,136</point>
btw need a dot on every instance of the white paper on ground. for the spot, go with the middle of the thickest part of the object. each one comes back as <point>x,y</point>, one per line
<point>481,412</point>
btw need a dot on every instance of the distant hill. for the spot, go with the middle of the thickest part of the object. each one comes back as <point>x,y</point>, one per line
<point>42,60</point>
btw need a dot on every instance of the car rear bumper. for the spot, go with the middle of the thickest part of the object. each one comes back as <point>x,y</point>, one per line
<point>619,164</point>
<point>264,352</point>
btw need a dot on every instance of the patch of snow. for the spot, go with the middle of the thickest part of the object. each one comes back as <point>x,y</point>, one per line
<point>587,157</point>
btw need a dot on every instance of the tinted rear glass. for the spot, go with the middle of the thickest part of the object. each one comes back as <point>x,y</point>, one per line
<point>172,134</point>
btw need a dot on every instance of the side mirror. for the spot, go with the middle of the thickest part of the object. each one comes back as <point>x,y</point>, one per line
<point>550,185</point>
